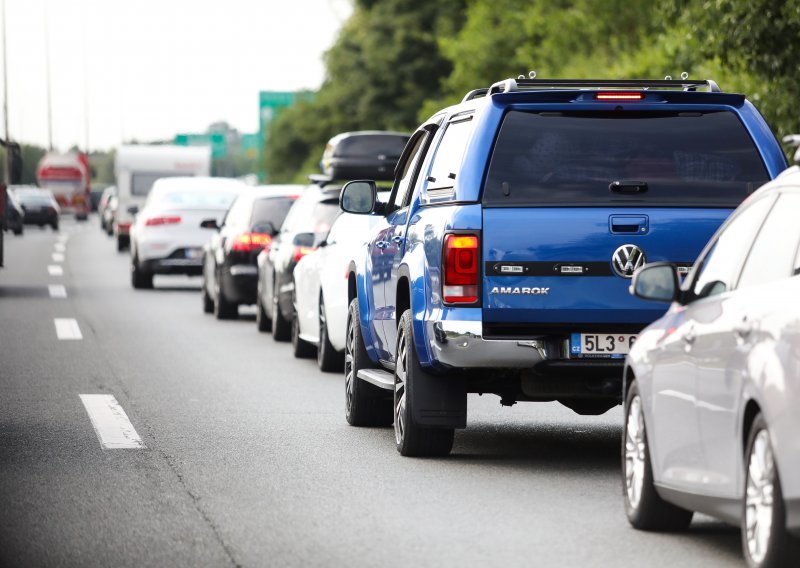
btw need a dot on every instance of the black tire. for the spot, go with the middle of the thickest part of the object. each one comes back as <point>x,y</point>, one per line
<point>782,548</point>
<point>300,349</point>
<point>281,327</point>
<point>122,244</point>
<point>208,301</point>
<point>224,309</point>
<point>54,225</point>
<point>413,439</point>
<point>18,230</point>
<point>263,322</point>
<point>365,404</point>
<point>328,358</point>
<point>649,511</point>
<point>140,278</point>
<point>109,230</point>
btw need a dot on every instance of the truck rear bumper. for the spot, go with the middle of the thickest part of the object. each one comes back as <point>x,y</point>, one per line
<point>460,344</point>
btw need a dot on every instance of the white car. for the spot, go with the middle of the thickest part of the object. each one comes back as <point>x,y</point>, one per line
<point>321,298</point>
<point>166,237</point>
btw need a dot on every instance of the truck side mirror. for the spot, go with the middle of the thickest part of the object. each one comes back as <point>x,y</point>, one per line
<point>359,197</point>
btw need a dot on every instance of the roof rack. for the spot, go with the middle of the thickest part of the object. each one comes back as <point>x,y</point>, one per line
<point>511,85</point>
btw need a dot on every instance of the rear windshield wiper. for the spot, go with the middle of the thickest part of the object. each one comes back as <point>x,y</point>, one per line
<point>628,186</point>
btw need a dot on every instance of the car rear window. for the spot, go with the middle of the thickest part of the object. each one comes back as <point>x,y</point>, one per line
<point>272,210</point>
<point>371,145</point>
<point>142,182</point>
<point>687,159</point>
<point>195,198</point>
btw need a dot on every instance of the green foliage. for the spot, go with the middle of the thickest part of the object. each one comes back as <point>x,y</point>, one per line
<point>31,155</point>
<point>383,66</point>
<point>396,62</point>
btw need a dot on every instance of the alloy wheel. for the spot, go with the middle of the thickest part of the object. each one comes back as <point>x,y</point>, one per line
<point>635,448</point>
<point>323,331</point>
<point>400,378</point>
<point>349,350</point>
<point>759,497</point>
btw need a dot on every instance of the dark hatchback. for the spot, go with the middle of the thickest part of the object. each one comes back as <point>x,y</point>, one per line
<point>230,274</point>
<point>305,228</point>
<point>39,207</point>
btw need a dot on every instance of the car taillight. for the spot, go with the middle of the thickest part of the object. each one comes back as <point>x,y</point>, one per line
<point>123,227</point>
<point>300,252</point>
<point>620,96</point>
<point>163,220</point>
<point>249,242</point>
<point>460,260</point>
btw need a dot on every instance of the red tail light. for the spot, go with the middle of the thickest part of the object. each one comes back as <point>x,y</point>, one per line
<point>249,242</point>
<point>300,252</point>
<point>620,96</point>
<point>163,220</point>
<point>461,272</point>
<point>123,227</point>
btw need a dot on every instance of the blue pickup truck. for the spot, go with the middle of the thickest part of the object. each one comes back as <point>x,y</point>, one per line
<point>502,261</point>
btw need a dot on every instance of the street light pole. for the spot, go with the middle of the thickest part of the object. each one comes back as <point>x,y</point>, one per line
<point>7,169</point>
<point>47,78</point>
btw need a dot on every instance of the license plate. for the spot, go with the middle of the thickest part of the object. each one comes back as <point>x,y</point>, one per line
<point>601,344</point>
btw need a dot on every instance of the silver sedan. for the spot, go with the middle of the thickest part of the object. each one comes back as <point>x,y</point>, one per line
<point>712,401</point>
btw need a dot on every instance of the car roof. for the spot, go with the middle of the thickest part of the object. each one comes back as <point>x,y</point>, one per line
<point>198,182</point>
<point>262,191</point>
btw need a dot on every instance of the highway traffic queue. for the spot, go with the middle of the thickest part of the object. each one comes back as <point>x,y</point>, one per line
<point>595,243</point>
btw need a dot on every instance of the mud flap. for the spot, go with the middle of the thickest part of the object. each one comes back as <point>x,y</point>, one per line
<point>439,401</point>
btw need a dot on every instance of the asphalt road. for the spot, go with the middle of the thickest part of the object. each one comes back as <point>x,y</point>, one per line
<point>248,460</point>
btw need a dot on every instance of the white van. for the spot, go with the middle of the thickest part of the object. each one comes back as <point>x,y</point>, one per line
<point>138,167</point>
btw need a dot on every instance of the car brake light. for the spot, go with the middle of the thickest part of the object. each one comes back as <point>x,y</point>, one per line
<point>123,227</point>
<point>249,242</point>
<point>620,96</point>
<point>460,269</point>
<point>300,252</point>
<point>156,221</point>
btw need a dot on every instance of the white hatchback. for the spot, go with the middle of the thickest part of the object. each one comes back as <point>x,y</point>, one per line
<point>321,298</point>
<point>166,237</point>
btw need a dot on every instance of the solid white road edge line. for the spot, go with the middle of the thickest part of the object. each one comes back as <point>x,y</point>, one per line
<point>58,257</point>
<point>110,422</point>
<point>57,291</point>
<point>55,270</point>
<point>67,328</point>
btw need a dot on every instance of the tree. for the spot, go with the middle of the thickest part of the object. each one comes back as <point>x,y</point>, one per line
<point>384,64</point>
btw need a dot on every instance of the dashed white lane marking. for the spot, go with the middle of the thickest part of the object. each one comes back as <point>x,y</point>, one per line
<point>57,291</point>
<point>55,270</point>
<point>67,328</point>
<point>60,247</point>
<point>58,257</point>
<point>62,238</point>
<point>110,422</point>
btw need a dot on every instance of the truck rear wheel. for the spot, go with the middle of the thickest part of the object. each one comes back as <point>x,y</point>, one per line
<point>412,438</point>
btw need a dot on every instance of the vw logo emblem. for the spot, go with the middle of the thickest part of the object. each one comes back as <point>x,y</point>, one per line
<point>627,259</point>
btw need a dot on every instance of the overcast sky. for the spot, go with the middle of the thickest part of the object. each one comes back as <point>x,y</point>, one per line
<point>151,68</point>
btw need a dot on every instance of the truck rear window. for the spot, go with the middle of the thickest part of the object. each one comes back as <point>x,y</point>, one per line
<point>685,159</point>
